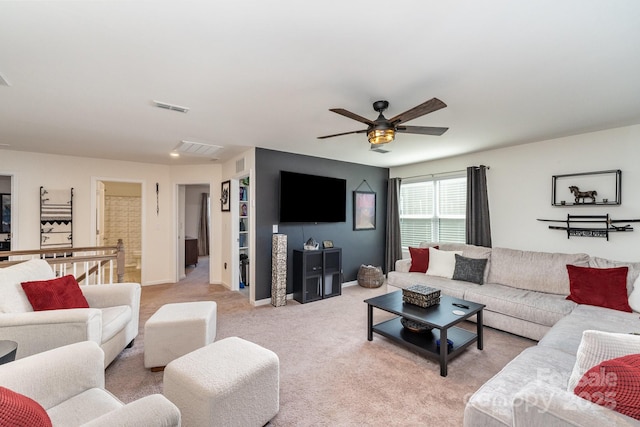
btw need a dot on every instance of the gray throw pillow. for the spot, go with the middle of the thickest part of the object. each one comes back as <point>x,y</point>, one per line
<point>469,269</point>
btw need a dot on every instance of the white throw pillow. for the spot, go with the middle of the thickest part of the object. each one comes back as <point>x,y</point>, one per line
<point>634,297</point>
<point>442,263</point>
<point>598,346</point>
<point>12,296</point>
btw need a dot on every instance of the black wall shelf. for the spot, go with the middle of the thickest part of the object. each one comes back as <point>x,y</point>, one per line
<point>591,225</point>
<point>605,184</point>
<point>317,274</point>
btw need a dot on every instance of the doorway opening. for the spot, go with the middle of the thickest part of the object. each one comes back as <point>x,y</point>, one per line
<point>6,194</point>
<point>194,231</point>
<point>119,216</point>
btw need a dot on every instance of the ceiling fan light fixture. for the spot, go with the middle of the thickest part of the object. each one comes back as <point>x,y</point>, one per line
<point>381,136</point>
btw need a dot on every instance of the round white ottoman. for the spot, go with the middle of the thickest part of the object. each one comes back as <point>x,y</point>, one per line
<point>176,329</point>
<point>232,382</point>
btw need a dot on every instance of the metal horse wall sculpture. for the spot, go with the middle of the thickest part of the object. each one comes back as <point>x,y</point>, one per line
<point>583,194</point>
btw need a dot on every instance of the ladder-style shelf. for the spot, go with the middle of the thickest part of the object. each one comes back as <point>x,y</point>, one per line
<point>56,218</point>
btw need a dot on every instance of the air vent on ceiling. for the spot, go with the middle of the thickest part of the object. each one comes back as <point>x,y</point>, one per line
<point>3,81</point>
<point>378,149</point>
<point>171,107</point>
<point>198,149</point>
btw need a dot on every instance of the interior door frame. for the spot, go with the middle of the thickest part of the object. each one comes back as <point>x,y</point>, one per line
<point>143,215</point>
<point>178,228</point>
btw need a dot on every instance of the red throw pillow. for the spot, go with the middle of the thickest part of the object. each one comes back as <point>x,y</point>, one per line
<point>17,410</point>
<point>419,259</point>
<point>614,384</point>
<point>55,294</point>
<point>604,287</point>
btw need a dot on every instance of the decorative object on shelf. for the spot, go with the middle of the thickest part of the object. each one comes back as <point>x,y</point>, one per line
<point>244,267</point>
<point>603,225</point>
<point>364,208</point>
<point>449,345</point>
<point>327,244</point>
<point>605,184</point>
<point>225,193</point>
<point>56,217</point>
<point>591,194</point>
<point>420,295</point>
<point>311,245</point>
<point>370,276</point>
<point>413,326</point>
<point>278,270</point>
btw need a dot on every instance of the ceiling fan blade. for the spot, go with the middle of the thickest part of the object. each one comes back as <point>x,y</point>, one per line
<point>422,130</point>
<point>427,107</point>
<point>343,133</point>
<point>351,115</point>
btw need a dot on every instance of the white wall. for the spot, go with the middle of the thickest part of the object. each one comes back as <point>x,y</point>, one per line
<point>5,184</point>
<point>32,170</point>
<point>519,186</point>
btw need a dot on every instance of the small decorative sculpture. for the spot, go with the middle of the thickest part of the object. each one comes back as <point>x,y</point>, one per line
<point>311,245</point>
<point>583,194</point>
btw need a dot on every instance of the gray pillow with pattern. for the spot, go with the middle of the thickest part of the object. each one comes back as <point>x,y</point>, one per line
<point>469,269</point>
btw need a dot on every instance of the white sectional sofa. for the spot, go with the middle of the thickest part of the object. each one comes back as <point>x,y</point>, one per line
<point>525,294</point>
<point>68,383</point>
<point>111,320</point>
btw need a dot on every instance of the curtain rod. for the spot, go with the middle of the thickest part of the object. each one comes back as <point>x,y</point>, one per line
<point>437,174</point>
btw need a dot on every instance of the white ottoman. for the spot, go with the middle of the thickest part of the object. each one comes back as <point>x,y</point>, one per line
<point>232,382</point>
<point>176,329</point>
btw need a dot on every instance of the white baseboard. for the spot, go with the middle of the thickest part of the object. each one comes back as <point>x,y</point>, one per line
<point>267,301</point>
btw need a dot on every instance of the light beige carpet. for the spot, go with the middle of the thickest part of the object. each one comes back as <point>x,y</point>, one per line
<point>330,375</point>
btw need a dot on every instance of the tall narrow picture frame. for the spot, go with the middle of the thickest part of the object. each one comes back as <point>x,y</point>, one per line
<point>225,196</point>
<point>364,210</point>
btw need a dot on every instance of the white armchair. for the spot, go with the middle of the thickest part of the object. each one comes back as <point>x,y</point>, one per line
<point>68,382</point>
<point>111,321</point>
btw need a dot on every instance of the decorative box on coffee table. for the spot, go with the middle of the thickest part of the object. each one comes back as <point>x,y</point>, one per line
<point>420,295</point>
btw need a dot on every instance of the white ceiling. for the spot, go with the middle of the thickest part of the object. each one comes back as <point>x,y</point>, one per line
<point>83,74</point>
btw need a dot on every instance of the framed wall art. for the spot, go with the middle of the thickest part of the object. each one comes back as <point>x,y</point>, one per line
<point>225,196</point>
<point>364,210</point>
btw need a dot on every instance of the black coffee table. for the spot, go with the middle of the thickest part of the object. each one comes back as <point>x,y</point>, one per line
<point>7,351</point>
<point>439,316</point>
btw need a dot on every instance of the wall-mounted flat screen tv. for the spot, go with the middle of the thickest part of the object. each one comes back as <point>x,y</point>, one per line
<point>312,198</point>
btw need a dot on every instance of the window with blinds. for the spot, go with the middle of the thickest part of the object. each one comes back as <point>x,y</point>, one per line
<point>433,210</point>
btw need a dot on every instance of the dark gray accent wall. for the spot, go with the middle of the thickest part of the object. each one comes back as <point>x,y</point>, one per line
<point>358,247</point>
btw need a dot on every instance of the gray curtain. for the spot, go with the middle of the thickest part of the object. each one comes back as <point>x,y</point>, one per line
<point>203,226</point>
<point>393,247</point>
<point>478,223</point>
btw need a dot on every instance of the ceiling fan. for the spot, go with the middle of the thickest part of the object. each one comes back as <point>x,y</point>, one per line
<point>383,130</point>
